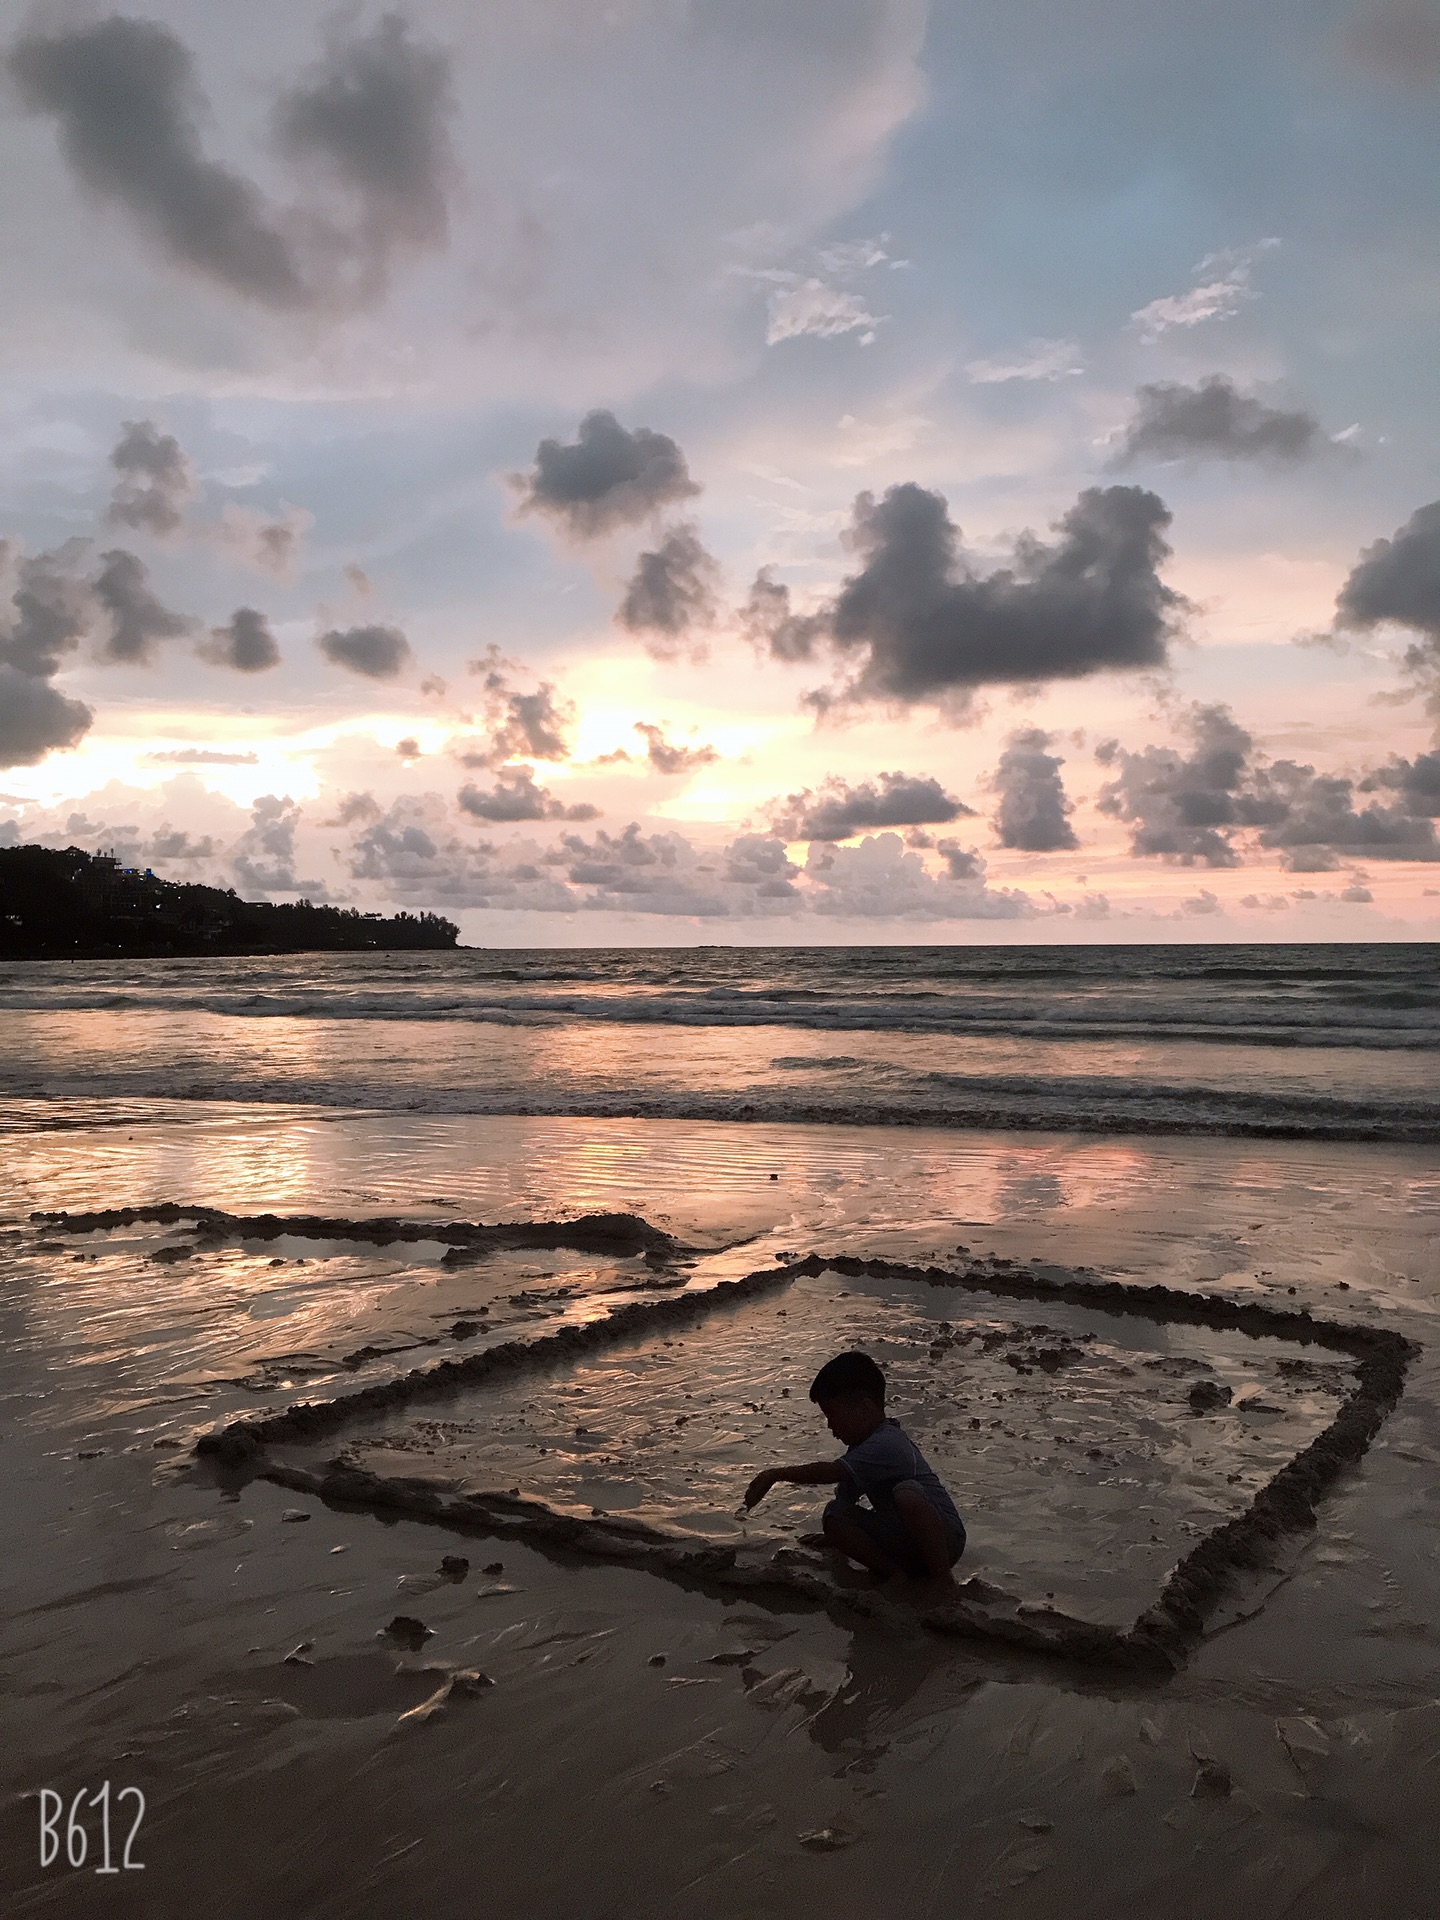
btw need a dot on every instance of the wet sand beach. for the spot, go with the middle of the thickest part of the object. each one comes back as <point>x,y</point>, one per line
<point>641,1740</point>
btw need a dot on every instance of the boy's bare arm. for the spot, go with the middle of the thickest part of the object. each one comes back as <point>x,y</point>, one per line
<point>813,1473</point>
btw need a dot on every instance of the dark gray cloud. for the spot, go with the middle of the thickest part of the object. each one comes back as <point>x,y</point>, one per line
<point>771,625</point>
<point>1034,812</point>
<point>1398,580</point>
<point>515,796</point>
<point>666,757</point>
<point>1183,807</point>
<point>923,626</point>
<point>154,482</point>
<point>245,643</point>
<point>759,863</point>
<point>837,810</point>
<point>1188,808</point>
<point>1417,782</point>
<point>374,114</point>
<point>528,726</point>
<point>35,719</point>
<point>369,119</point>
<point>610,477</point>
<point>54,610</point>
<point>1320,827</point>
<point>671,592</point>
<point>1175,422</point>
<point>139,621</point>
<point>379,653</point>
<point>127,103</point>
<point>51,611</point>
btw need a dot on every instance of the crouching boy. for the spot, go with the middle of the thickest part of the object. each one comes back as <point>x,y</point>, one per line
<point>909,1524</point>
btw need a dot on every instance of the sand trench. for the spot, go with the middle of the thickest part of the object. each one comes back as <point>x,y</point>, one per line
<point>1126,1459</point>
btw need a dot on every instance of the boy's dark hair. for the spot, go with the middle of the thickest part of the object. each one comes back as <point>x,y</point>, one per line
<point>848,1373</point>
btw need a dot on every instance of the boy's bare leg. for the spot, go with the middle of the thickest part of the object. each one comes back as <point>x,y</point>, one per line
<point>856,1544</point>
<point>927,1530</point>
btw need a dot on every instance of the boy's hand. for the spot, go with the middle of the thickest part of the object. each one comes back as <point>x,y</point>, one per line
<point>760,1486</point>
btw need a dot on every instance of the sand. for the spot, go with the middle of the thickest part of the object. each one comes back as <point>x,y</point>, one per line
<point>651,1742</point>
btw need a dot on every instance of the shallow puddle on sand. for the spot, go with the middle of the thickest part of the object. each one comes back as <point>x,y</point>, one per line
<point>1066,1435</point>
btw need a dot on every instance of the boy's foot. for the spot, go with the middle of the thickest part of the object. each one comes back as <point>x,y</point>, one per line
<point>936,1588</point>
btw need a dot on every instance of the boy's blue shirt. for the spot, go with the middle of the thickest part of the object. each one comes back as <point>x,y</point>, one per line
<point>876,1466</point>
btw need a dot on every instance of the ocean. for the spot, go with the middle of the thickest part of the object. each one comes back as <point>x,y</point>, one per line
<point>1333,1042</point>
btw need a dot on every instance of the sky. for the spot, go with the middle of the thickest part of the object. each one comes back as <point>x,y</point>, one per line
<point>731,471</point>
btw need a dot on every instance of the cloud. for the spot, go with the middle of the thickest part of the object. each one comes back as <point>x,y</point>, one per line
<point>666,757</point>
<point>35,719</point>
<point>155,481</point>
<point>927,626</point>
<point>1188,808</point>
<point>264,855</point>
<point>413,852</point>
<point>353,808</point>
<point>823,312</point>
<point>124,94</point>
<point>173,843</point>
<point>269,545</point>
<point>528,726</point>
<point>379,653</point>
<point>805,304</point>
<point>881,880</point>
<point>1319,827</point>
<point>770,624</point>
<point>1172,422</point>
<point>663,873</point>
<point>245,643</point>
<point>607,479</point>
<point>671,591</point>
<point>155,484</point>
<point>839,811</point>
<point>1218,298</point>
<point>1034,813</point>
<point>138,620</point>
<point>1182,806</point>
<point>373,113</point>
<point>1416,781</point>
<point>1398,580</point>
<point>515,796</point>
<point>1036,360</point>
<point>203,757</point>
<point>369,122</point>
<point>54,610</point>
